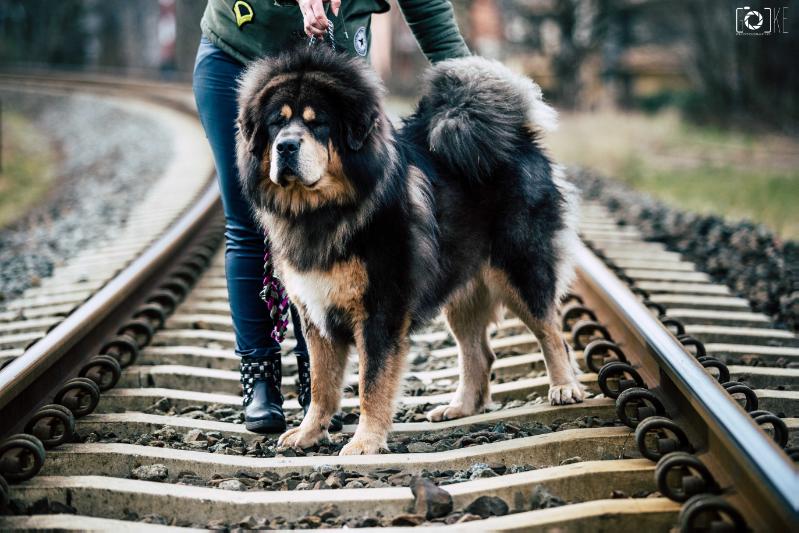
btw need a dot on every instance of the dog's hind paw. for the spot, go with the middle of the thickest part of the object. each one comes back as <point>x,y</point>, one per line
<point>364,446</point>
<point>564,394</point>
<point>301,438</point>
<point>448,412</point>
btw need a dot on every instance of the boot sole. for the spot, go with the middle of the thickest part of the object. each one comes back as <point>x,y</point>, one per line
<point>265,426</point>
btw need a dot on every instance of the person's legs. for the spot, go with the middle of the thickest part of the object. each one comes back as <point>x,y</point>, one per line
<point>215,85</point>
<point>215,76</point>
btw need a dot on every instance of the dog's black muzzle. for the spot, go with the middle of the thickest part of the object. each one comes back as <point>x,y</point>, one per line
<point>288,150</point>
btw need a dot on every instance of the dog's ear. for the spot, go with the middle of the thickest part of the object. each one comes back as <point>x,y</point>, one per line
<point>252,99</point>
<point>252,133</point>
<point>359,130</point>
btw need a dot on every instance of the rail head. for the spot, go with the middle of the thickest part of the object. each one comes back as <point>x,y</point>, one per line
<point>82,331</point>
<point>22,382</point>
<point>771,485</point>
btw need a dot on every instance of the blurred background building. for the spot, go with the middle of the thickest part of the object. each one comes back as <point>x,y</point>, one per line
<point>134,37</point>
<point>585,53</point>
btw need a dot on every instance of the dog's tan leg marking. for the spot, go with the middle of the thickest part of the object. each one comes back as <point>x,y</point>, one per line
<point>377,397</point>
<point>564,387</point>
<point>468,314</point>
<point>328,362</point>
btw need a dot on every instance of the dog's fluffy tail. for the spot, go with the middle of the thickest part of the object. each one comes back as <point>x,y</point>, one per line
<point>478,110</point>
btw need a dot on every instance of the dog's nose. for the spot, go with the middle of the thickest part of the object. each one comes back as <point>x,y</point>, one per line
<point>288,146</point>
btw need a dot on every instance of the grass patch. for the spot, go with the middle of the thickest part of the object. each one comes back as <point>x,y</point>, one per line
<point>769,198</point>
<point>28,167</point>
<point>738,175</point>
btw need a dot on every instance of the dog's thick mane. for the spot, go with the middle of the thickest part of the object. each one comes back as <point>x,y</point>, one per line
<point>375,167</point>
<point>351,83</point>
<point>358,80</point>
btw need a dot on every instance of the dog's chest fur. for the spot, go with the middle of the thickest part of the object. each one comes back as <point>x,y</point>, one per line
<point>341,287</point>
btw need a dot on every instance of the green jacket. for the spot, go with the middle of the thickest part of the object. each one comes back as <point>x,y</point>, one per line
<point>251,29</point>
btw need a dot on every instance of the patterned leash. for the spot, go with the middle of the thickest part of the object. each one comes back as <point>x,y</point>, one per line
<point>330,31</point>
<point>274,294</point>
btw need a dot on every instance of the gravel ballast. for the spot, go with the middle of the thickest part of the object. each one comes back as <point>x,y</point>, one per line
<point>748,258</point>
<point>432,507</point>
<point>108,157</point>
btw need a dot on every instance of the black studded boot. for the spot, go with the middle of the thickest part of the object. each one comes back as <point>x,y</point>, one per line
<point>260,381</point>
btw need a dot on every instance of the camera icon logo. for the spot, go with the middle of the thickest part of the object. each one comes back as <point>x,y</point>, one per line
<point>750,21</point>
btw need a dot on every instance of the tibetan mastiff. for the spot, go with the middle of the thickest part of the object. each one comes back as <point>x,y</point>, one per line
<point>375,229</point>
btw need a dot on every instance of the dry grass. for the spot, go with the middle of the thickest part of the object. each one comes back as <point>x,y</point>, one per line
<point>734,174</point>
<point>28,167</point>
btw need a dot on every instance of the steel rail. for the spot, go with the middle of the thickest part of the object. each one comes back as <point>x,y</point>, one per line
<point>95,80</point>
<point>80,333</point>
<point>28,381</point>
<point>759,471</point>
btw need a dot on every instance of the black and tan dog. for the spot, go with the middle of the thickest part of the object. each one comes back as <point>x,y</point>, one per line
<point>376,229</point>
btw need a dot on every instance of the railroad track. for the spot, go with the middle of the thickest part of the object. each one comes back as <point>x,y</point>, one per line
<point>693,403</point>
<point>28,318</point>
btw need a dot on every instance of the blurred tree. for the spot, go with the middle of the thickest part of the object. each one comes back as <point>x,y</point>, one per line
<point>565,35</point>
<point>189,13</point>
<point>683,51</point>
<point>582,27</point>
<point>105,34</point>
<point>486,28</point>
<point>742,78</point>
<point>42,31</point>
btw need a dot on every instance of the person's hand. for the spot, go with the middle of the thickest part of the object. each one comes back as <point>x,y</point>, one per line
<point>313,15</point>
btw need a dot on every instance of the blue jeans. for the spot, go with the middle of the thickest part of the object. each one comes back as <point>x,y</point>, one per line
<point>214,82</point>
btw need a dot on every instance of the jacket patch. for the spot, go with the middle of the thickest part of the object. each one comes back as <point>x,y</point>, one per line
<point>243,12</point>
<point>360,42</point>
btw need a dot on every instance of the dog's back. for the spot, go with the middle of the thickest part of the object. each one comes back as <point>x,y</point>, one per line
<point>494,188</point>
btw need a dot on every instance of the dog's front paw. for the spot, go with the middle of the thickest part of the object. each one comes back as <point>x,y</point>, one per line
<point>301,438</point>
<point>563,394</point>
<point>368,445</point>
<point>449,412</point>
